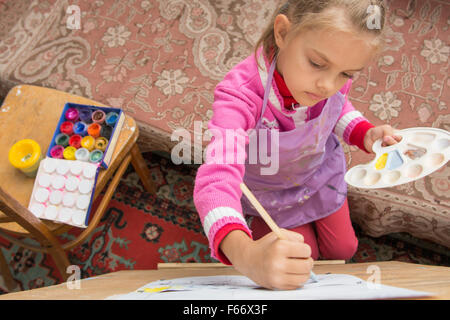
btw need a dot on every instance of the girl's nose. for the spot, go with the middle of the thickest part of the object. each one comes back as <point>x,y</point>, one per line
<point>325,85</point>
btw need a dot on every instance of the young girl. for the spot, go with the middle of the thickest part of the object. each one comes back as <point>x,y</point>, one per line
<point>296,83</point>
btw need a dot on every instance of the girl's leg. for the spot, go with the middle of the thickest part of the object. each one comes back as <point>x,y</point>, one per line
<point>335,235</point>
<point>260,229</point>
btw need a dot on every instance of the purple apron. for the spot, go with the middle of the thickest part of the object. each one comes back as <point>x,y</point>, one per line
<point>309,184</point>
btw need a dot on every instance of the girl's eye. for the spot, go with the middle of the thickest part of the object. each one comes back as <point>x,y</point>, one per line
<point>315,65</point>
<point>350,76</point>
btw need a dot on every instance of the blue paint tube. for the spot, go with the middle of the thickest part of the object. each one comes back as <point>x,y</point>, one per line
<point>80,128</point>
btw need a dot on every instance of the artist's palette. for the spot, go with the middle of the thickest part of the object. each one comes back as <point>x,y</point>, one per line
<point>420,152</point>
<point>63,191</point>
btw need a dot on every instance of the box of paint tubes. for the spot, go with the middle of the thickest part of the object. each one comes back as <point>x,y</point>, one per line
<point>86,133</point>
<point>84,141</point>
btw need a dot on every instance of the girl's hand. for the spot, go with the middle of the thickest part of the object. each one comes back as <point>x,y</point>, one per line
<point>385,132</point>
<point>273,263</point>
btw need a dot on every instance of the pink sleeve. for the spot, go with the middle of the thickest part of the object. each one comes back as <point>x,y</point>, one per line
<point>216,192</point>
<point>349,117</point>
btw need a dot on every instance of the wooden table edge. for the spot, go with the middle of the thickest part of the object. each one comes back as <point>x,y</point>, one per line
<point>138,278</point>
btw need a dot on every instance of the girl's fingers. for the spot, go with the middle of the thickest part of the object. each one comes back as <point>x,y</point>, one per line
<point>298,250</point>
<point>298,266</point>
<point>293,236</point>
<point>388,140</point>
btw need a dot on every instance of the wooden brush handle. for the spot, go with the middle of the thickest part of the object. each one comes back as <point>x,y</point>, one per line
<point>272,225</point>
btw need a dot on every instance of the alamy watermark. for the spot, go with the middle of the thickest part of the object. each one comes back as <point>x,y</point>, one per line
<point>74,19</point>
<point>228,147</point>
<point>374,19</point>
<point>374,281</point>
<point>74,280</point>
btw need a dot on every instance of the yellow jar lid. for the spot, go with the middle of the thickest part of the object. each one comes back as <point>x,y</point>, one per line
<point>101,143</point>
<point>24,153</point>
<point>69,153</point>
<point>88,142</point>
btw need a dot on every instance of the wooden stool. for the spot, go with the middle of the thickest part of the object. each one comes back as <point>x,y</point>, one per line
<point>33,112</point>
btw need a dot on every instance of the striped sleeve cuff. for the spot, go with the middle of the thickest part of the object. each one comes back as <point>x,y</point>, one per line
<point>221,234</point>
<point>359,133</point>
<point>347,123</point>
<point>218,218</point>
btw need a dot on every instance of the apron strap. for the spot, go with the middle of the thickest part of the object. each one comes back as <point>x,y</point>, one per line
<point>268,87</point>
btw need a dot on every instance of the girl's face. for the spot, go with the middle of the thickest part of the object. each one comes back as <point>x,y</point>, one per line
<point>316,64</point>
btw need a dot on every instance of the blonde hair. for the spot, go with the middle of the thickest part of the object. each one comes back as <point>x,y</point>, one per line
<point>343,15</point>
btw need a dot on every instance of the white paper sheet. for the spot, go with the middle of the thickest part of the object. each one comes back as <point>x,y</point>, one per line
<point>329,287</point>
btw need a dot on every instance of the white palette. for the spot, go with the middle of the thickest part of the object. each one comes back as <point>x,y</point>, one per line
<point>63,191</point>
<point>420,152</point>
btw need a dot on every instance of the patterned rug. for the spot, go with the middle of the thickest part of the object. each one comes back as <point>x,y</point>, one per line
<point>139,230</point>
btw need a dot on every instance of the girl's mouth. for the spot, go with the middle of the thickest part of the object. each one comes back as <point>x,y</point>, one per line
<point>314,96</point>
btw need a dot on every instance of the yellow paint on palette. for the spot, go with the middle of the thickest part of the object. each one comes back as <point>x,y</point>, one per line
<point>381,162</point>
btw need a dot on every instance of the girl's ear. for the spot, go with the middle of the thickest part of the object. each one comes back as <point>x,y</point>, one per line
<point>281,28</point>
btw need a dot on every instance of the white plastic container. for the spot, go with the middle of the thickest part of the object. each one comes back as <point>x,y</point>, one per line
<point>63,191</point>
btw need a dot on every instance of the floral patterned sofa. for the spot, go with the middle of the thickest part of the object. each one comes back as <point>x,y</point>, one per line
<point>160,60</point>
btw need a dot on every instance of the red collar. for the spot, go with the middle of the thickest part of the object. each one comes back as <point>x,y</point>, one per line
<point>284,91</point>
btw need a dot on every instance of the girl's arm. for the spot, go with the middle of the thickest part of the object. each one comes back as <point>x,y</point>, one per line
<point>352,126</point>
<point>216,192</point>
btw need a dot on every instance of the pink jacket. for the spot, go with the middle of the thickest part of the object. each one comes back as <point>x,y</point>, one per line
<point>237,104</point>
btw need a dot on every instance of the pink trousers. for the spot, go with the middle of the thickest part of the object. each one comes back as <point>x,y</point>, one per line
<point>330,238</point>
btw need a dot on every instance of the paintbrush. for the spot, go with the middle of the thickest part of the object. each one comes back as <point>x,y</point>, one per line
<point>266,217</point>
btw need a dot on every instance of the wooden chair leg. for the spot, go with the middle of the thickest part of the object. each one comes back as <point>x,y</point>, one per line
<point>38,230</point>
<point>6,273</point>
<point>61,261</point>
<point>142,170</point>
